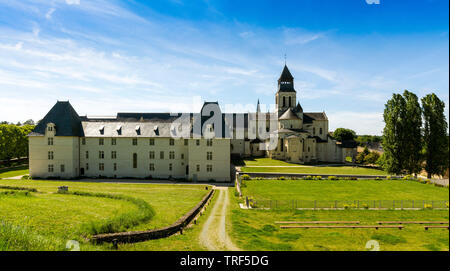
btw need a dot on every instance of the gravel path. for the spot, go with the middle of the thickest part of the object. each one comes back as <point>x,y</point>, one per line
<point>214,235</point>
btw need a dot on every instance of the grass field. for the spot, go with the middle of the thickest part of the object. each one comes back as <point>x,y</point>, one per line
<point>16,171</point>
<point>267,162</point>
<point>61,216</point>
<point>256,230</point>
<point>343,190</point>
<point>317,170</point>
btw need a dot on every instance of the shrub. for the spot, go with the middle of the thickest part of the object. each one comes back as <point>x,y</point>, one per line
<point>318,178</point>
<point>281,178</point>
<point>365,206</point>
<point>245,177</point>
<point>308,178</point>
<point>332,178</point>
<point>378,179</point>
<point>428,206</point>
<point>388,178</point>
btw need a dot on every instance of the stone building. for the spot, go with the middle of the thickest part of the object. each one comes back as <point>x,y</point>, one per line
<point>188,146</point>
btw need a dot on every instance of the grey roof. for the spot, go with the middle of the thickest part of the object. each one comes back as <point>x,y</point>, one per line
<point>298,108</point>
<point>289,115</point>
<point>129,129</point>
<point>66,120</point>
<point>286,75</point>
<point>308,117</point>
<point>350,144</point>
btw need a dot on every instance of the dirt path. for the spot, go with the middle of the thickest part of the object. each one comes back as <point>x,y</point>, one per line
<point>214,235</point>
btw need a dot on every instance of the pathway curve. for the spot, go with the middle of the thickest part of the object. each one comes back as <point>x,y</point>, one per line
<point>214,235</point>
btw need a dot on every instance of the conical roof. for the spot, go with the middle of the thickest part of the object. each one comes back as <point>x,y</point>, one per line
<point>286,75</point>
<point>65,118</point>
<point>289,115</point>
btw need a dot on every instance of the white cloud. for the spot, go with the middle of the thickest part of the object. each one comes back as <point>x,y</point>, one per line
<point>49,14</point>
<point>73,2</point>
<point>362,123</point>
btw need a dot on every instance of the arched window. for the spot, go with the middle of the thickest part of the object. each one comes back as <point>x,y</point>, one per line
<point>134,160</point>
<point>284,101</point>
<point>321,131</point>
<point>290,101</point>
<point>314,131</point>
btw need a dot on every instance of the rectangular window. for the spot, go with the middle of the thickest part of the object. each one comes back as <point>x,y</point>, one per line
<point>186,142</point>
<point>115,166</point>
<point>83,141</point>
<point>50,141</point>
<point>101,167</point>
<point>170,167</point>
<point>101,141</point>
<point>87,166</point>
<point>87,154</point>
<point>152,142</point>
<point>113,141</point>
<point>50,128</point>
<point>151,167</point>
<point>209,155</point>
<point>197,142</point>
<point>171,142</point>
<point>134,141</point>
<point>113,154</point>
<point>208,168</point>
<point>209,142</point>
<point>171,155</point>
<point>182,156</point>
<point>198,168</point>
<point>50,155</point>
<point>63,168</point>
<point>50,168</point>
<point>152,155</point>
<point>161,155</point>
<point>101,154</point>
<point>134,160</point>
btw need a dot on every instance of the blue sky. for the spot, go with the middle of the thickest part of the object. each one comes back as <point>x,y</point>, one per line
<point>107,56</point>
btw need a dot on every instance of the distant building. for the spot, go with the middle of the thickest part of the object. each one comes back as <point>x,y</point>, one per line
<point>192,146</point>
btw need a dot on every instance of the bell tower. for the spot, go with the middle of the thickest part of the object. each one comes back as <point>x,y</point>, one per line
<point>286,95</point>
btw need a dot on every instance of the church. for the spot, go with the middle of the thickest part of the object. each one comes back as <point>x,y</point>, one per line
<point>184,146</point>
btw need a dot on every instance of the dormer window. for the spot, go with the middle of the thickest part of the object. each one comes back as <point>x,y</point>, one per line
<point>119,130</point>
<point>51,128</point>
<point>156,130</point>
<point>102,130</point>
<point>138,130</point>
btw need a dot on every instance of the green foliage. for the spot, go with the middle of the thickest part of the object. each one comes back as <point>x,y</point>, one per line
<point>343,134</point>
<point>14,141</point>
<point>245,177</point>
<point>401,134</point>
<point>364,139</point>
<point>436,141</point>
<point>360,158</point>
<point>372,158</point>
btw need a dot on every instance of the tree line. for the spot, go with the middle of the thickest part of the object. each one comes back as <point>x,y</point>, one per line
<point>415,135</point>
<point>14,140</point>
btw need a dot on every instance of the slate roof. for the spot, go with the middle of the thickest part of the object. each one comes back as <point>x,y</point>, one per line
<point>66,120</point>
<point>289,115</point>
<point>286,75</point>
<point>308,117</point>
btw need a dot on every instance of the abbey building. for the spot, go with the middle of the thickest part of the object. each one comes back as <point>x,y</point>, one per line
<point>189,146</point>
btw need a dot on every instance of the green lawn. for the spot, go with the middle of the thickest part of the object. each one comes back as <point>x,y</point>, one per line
<point>255,229</point>
<point>16,171</point>
<point>343,190</point>
<point>48,214</point>
<point>267,162</point>
<point>317,170</point>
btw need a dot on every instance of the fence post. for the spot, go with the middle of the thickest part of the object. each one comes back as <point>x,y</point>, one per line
<point>413,204</point>
<point>358,204</point>
<point>402,204</point>
<point>393,204</point>
<point>335,204</point>
<point>432,204</point>
<point>315,204</point>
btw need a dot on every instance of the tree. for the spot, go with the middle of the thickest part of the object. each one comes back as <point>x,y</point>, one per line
<point>371,158</point>
<point>394,134</point>
<point>343,134</point>
<point>413,135</point>
<point>362,155</point>
<point>436,144</point>
<point>29,122</point>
